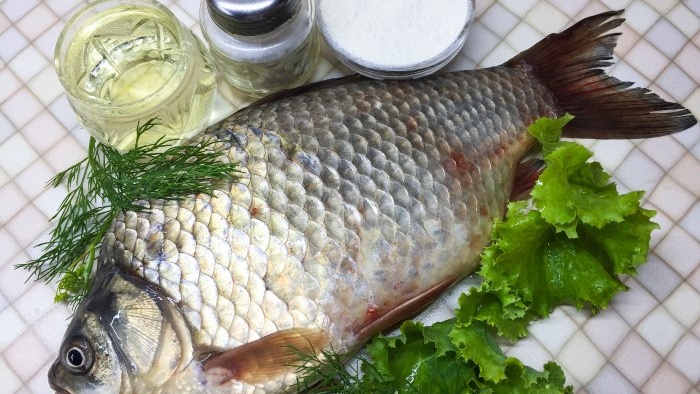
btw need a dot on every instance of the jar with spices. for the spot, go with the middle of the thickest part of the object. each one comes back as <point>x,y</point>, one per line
<point>261,46</point>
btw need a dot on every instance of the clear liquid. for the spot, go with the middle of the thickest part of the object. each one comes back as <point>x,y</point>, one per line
<point>127,65</point>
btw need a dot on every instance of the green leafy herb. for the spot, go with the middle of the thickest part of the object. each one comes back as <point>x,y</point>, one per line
<point>107,182</point>
<point>567,246</point>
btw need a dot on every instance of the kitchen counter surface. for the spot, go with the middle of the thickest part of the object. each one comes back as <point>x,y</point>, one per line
<point>648,340</point>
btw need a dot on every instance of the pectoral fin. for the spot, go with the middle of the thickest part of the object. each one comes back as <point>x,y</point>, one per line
<point>266,358</point>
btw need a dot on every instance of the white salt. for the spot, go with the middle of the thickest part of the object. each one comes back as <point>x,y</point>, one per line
<point>393,34</point>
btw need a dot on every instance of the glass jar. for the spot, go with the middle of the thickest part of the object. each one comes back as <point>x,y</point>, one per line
<point>126,61</point>
<point>261,46</point>
<point>396,39</point>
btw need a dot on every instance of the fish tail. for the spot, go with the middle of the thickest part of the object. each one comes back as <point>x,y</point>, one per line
<point>570,64</point>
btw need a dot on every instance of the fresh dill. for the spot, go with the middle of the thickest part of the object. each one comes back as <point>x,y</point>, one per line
<point>107,182</point>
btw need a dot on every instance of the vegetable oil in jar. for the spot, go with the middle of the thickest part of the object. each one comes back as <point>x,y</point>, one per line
<point>126,61</point>
<point>261,46</point>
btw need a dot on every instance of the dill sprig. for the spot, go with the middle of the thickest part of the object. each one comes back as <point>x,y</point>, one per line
<point>107,182</point>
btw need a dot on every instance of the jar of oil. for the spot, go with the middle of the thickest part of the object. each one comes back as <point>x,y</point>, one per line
<point>126,61</point>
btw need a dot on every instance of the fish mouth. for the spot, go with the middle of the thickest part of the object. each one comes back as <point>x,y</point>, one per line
<point>53,380</point>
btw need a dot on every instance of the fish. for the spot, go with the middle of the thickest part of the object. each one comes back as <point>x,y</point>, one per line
<point>358,202</point>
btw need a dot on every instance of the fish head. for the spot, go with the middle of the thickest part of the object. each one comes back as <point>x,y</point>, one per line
<point>125,337</point>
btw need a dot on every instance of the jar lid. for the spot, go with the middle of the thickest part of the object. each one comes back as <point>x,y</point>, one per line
<point>395,38</point>
<point>252,17</point>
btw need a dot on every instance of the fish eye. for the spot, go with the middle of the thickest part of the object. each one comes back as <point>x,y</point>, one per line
<point>77,356</point>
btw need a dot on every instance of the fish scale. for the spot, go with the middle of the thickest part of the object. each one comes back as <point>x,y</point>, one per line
<point>345,197</point>
<point>357,203</point>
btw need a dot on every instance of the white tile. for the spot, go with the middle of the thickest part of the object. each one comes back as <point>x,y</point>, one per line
<point>12,43</point>
<point>636,359</point>
<point>8,246</point>
<point>691,136</point>
<point>27,225</point>
<point>13,200</point>
<point>50,327</point>
<point>10,381</point>
<point>33,180</point>
<point>660,330</point>
<point>569,7</point>
<point>21,107</point>
<point>626,41</point>
<point>634,304</point>
<point>36,21</point>
<point>657,277</point>
<point>63,7</point>
<point>499,20</point>
<point>684,20</point>
<point>610,380</point>
<point>500,54</point>
<point>66,153</point>
<point>639,172</point>
<point>665,151</point>
<point>46,43</point>
<point>28,352</point>
<point>16,155</point>
<point>666,37</point>
<point>50,200</point>
<point>581,357</point>
<point>610,153</point>
<point>668,380</point>
<point>554,331</point>
<point>616,4</point>
<point>672,198</point>
<point>39,384</point>
<point>543,11</point>
<point>684,305</point>
<point>34,304</point>
<point>685,357</point>
<point>12,327</point>
<point>63,112</point>
<point>530,352</point>
<point>675,81</point>
<point>687,60</point>
<point>691,222</point>
<point>607,330</point>
<point>28,63</point>
<point>646,59</point>
<point>9,82</point>
<point>685,173</point>
<point>43,132</point>
<point>640,16</point>
<point>4,22</point>
<point>6,129</point>
<point>15,9</point>
<point>183,16</point>
<point>519,7</point>
<point>480,43</point>
<point>46,86</point>
<point>665,225</point>
<point>625,72</point>
<point>680,250</point>
<point>191,7</point>
<point>523,36</point>
<point>13,282</point>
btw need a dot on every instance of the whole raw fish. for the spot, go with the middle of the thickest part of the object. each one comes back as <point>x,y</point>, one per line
<point>358,202</point>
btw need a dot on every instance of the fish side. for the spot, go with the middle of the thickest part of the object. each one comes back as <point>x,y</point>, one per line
<point>351,202</point>
<point>358,202</point>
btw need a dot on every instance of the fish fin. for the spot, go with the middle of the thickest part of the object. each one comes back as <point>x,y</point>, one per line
<point>570,65</point>
<point>401,312</point>
<point>526,176</point>
<point>311,87</point>
<point>266,358</point>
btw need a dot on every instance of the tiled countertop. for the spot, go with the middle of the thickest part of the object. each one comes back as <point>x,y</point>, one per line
<point>647,341</point>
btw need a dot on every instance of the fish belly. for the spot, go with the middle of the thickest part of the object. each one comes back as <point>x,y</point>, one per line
<point>352,199</point>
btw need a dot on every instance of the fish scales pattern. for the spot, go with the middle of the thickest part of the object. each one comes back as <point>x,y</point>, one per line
<point>347,196</point>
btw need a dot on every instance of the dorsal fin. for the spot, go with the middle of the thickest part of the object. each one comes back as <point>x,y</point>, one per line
<point>311,87</point>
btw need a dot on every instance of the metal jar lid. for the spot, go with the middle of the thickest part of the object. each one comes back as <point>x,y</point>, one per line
<point>252,17</point>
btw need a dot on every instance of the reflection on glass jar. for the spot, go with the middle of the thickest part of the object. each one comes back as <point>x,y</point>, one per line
<point>123,62</point>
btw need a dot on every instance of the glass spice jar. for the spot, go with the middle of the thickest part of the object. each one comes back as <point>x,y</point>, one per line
<point>123,62</point>
<point>261,46</point>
